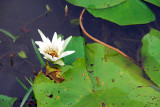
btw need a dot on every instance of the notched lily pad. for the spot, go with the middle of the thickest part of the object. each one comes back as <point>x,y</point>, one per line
<point>150,53</point>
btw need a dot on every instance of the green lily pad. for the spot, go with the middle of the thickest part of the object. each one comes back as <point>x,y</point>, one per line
<point>76,44</point>
<point>22,54</point>
<point>117,81</point>
<point>128,13</point>
<point>6,101</point>
<point>74,22</point>
<point>155,2</point>
<point>150,53</point>
<point>95,4</point>
<point>110,79</point>
<point>76,86</point>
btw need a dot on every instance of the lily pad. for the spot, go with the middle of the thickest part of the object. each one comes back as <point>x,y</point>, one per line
<point>155,2</point>
<point>76,44</point>
<point>76,86</point>
<point>6,101</point>
<point>74,22</point>
<point>117,81</point>
<point>95,4</point>
<point>128,13</point>
<point>22,54</point>
<point>150,53</point>
<point>110,79</point>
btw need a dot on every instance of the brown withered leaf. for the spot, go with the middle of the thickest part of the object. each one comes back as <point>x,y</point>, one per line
<point>54,74</point>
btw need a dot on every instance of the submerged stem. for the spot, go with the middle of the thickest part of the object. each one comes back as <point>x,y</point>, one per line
<point>98,41</point>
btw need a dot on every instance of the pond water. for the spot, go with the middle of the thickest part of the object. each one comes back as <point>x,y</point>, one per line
<point>15,14</point>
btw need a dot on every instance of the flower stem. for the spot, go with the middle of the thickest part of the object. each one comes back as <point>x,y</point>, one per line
<point>98,41</point>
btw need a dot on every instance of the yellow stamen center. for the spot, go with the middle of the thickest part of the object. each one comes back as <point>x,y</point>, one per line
<point>51,52</point>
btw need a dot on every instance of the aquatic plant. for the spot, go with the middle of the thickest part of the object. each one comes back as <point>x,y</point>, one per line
<point>53,51</point>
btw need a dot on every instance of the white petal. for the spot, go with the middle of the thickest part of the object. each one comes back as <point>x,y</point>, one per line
<point>41,51</point>
<point>42,35</point>
<point>60,47</point>
<point>59,62</point>
<point>50,58</point>
<point>66,54</point>
<point>44,39</point>
<point>39,43</point>
<point>66,42</point>
<point>59,39</point>
<point>54,39</point>
<point>59,50</point>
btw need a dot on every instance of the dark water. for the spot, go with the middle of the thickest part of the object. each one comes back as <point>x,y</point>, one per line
<point>14,14</point>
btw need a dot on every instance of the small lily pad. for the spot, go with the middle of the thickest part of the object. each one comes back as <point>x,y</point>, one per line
<point>74,21</point>
<point>22,54</point>
<point>6,101</point>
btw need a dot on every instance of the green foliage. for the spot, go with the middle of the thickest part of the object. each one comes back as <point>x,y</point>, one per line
<point>78,45</point>
<point>23,85</point>
<point>22,54</point>
<point>6,101</point>
<point>26,97</point>
<point>38,54</point>
<point>96,4</point>
<point>155,2</point>
<point>128,13</point>
<point>9,34</point>
<point>116,80</point>
<point>48,8</point>
<point>74,21</point>
<point>76,86</point>
<point>150,53</point>
<point>104,77</point>
<point>60,35</point>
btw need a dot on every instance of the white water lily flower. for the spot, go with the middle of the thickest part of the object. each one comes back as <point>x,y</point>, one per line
<point>53,50</point>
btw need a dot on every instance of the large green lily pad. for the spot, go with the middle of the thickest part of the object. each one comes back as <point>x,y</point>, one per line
<point>117,81</point>
<point>6,101</point>
<point>150,53</point>
<point>95,4</point>
<point>128,13</point>
<point>155,2</point>
<point>109,78</point>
